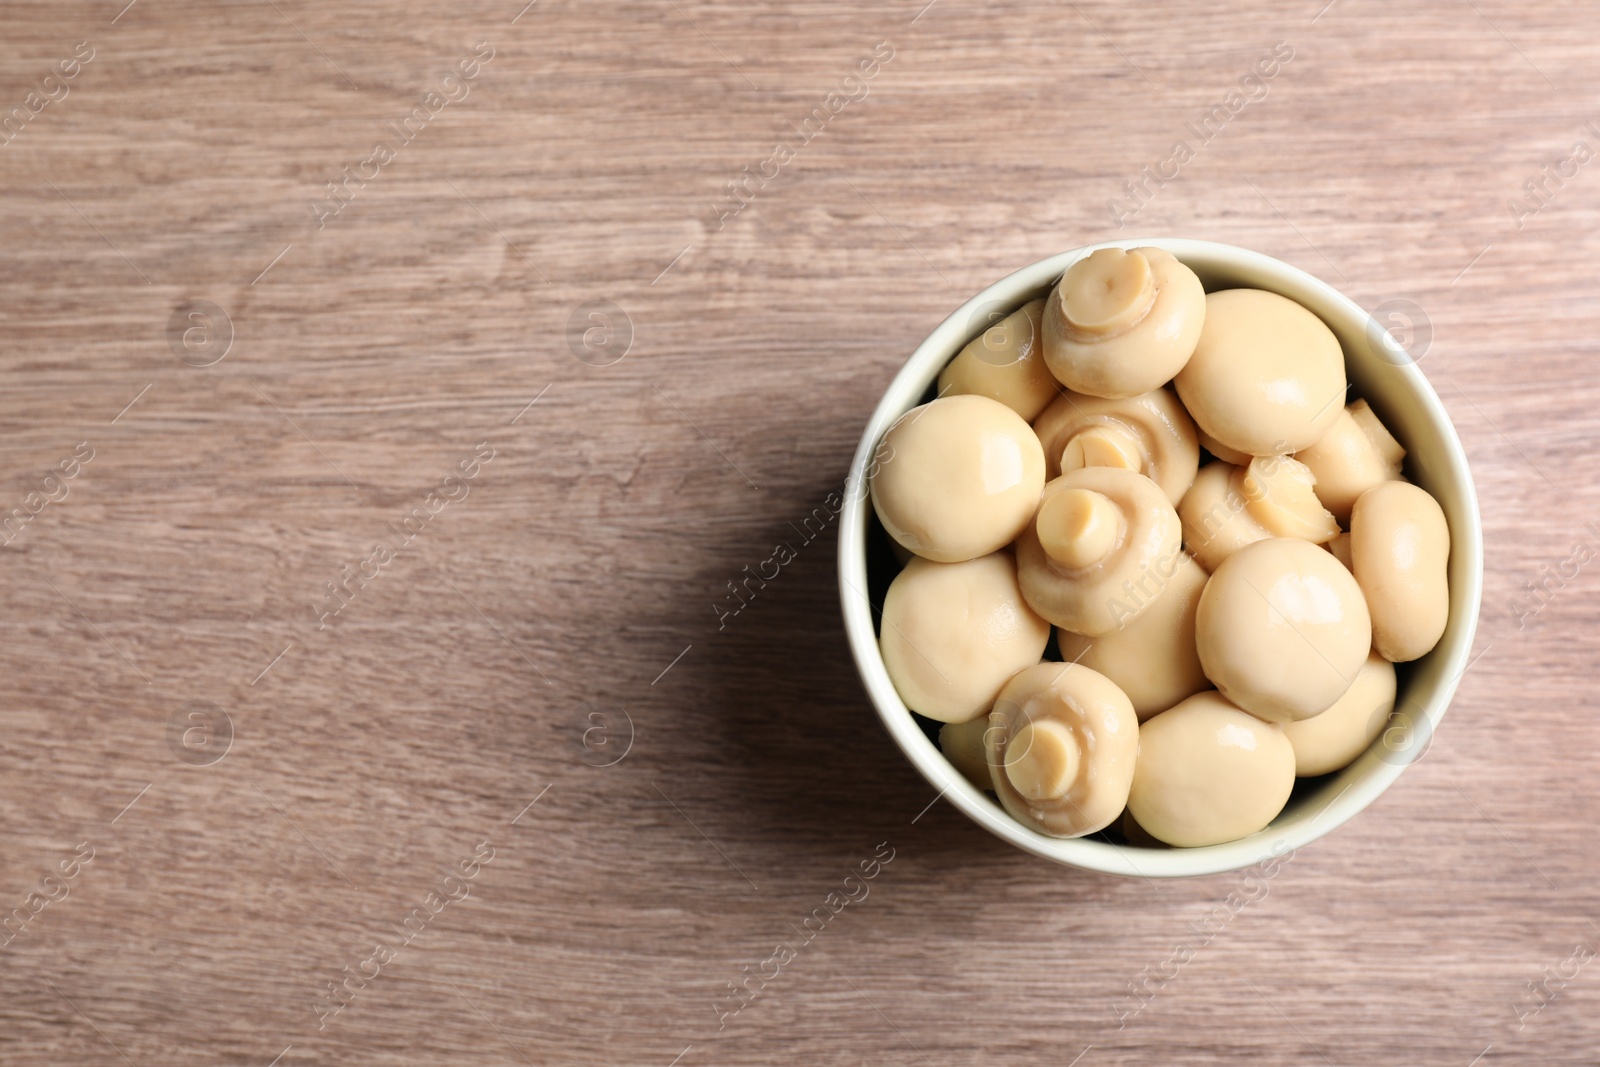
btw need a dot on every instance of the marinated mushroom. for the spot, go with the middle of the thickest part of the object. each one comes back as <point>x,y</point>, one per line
<point>954,632</point>
<point>1335,738</point>
<point>1137,835</point>
<point>1282,629</point>
<point>1122,322</point>
<point>902,554</point>
<point>1208,773</point>
<point>1399,549</point>
<point>1216,521</point>
<point>1088,561</point>
<point>1267,375</point>
<point>1153,659</point>
<point>1388,448</point>
<point>1356,453</point>
<point>1220,450</point>
<point>1340,547</point>
<point>1005,363</point>
<point>1149,433</point>
<point>961,480</point>
<point>963,745</point>
<point>1280,492</point>
<point>1230,507</point>
<point>1062,745</point>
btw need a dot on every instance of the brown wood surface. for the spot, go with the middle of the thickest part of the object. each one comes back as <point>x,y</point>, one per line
<point>182,571</point>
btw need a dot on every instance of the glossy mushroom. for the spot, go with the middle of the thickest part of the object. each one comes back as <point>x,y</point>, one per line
<point>1325,743</point>
<point>1088,561</point>
<point>1135,834</point>
<point>1216,521</point>
<point>954,632</point>
<point>1356,453</point>
<point>1399,549</point>
<point>1209,772</point>
<point>1340,547</point>
<point>1006,363</point>
<point>1062,742</point>
<point>1280,493</point>
<point>1149,433</point>
<point>961,478</point>
<point>1220,450</point>
<point>1122,322</point>
<point>1266,377</point>
<point>1153,659</point>
<point>964,746</point>
<point>1229,507</point>
<point>1282,629</point>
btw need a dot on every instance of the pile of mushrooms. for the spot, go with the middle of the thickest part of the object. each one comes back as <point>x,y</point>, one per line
<point>1166,482</point>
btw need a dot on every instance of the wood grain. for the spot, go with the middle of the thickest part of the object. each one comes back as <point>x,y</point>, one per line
<point>573,582</point>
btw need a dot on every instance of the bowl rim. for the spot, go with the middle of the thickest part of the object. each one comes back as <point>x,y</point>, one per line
<point>1368,776</point>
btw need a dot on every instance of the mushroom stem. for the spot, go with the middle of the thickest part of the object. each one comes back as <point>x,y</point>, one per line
<point>1078,527</point>
<point>1042,760</point>
<point>1108,291</point>
<point>1101,446</point>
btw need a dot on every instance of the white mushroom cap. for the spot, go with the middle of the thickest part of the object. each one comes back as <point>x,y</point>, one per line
<point>1006,363</point>
<point>1121,323</point>
<point>1208,773</point>
<point>964,746</point>
<point>1340,547</point>
<point>1267,376</point>
<point>954,632</point>
<point>1216,518</point>
<point>1389,450</point>
<point>1229,507</point>
<point>1334,739</point>
<point>1399,549</point>
<point>1280,492</point>
<point>1355,454</point>
<point>1153,658</point>
<point>1062,742</point>
<point>1282,629</point>
<point>1137,835</point>
<point>1149,433</point>
<point>961,479</point>
<point>1220,450</point>
<point>1098,534</point>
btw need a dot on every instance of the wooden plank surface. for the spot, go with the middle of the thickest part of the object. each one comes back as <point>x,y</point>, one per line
<point>559,596</point>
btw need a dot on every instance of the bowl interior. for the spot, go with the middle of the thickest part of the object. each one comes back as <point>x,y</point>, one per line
<point>1379,370</point>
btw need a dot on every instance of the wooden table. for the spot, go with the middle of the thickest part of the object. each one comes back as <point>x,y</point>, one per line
<point>380,634</point>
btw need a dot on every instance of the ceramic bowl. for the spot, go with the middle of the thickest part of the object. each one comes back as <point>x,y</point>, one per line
<point>1380,370</point>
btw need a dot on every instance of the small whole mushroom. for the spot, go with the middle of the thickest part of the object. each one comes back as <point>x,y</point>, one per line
<point>1062,745</point>
<point>1399,551</point>
<point>1220,450</point>
<point>1282,629</point>
<point>1267,375</point>
<point>961,478</point>
<point>1006,363</point>
<point>1086,562</point>
<point>1356,453</point>
<point>1153,658</point>
<point>1230,507</point>
<point>1216,518</point>
<point>1122,322</point>
<point>1209,772</point>
<point>963,744</point>
<point>1280,492</point>
<point>954,632</point>
<point>1340,547</point>
<point>1149,433</point>
<point>1327,742</point>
